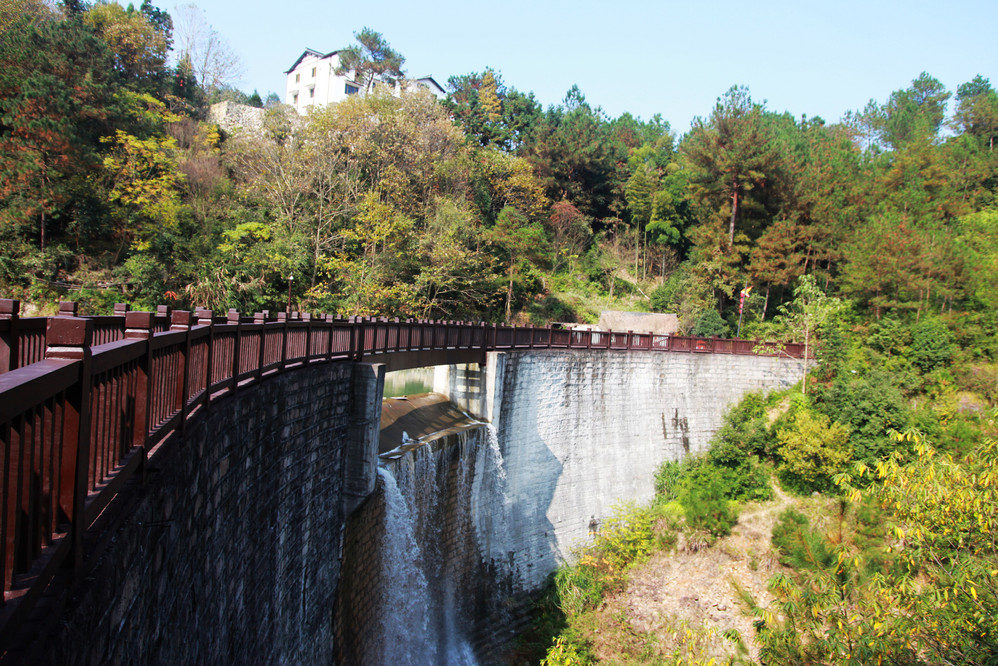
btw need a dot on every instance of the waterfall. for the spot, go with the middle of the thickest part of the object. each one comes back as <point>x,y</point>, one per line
<point>405,619</point>
<point>421,611</point>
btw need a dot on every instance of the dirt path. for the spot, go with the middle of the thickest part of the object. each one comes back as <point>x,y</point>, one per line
<point>679,589</point>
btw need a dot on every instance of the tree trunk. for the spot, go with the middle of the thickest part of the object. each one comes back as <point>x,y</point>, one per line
<point>734,212</point>
<point>509,293</point>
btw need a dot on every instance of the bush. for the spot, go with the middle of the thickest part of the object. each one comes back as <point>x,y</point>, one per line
<point>706,504</point>
<point>813,450</point>
<point>931,344</point>
<point>870,404</point>
<point>799,546</point>
<point>667,479</point>
<point>746,425</point>
<point>710,324</point>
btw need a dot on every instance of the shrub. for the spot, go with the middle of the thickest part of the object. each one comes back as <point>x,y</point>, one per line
<point>706,505</point>
<point>813,450</point>
<point>567,651</point>
<point>710,324</point>
<point>746,426</point>
<point>798,545</point>
<point>931,344</point>
<point>667,479</point>
<point>871,405</point>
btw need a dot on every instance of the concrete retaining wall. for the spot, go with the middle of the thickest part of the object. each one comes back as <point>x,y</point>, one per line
<point>581,431</point>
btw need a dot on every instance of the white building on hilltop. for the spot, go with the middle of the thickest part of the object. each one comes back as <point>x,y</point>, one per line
<point>313,81</point>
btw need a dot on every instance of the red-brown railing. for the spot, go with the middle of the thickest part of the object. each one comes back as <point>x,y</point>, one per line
<point>84,400</point>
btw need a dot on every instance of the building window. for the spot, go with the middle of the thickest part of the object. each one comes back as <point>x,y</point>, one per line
<point>351,89</point>
<point>311,92</point>
<point>295,99</point>
<point>313,72</point>
<point>297,78</point>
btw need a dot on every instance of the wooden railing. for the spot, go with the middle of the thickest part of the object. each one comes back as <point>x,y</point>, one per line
<point>84,401</point>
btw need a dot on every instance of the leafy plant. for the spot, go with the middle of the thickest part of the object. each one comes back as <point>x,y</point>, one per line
<point>812,451</point>
<point>710,324</point>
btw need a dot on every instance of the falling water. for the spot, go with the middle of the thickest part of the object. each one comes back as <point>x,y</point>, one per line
<point>420,616</point>
<point>405,622</point>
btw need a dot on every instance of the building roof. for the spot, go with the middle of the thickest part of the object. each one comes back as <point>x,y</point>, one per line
<point>308,52</point>
<point>430,79</point>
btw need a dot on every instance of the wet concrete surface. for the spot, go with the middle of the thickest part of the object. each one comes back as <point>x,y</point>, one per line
<point>422,417</point>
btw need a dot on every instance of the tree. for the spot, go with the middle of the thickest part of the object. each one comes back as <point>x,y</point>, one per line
<point>490,112</point>
<point>373,60</point>
<point>809,310</point>
<point>914,114</point>
<point>942,602</point>
<point>519,241</point>
<point>977,111</point>
<point>55,100</point>
<point>214,63</point>
<point>139,47</point>
<point>731,155</point>
<point>576,154</point>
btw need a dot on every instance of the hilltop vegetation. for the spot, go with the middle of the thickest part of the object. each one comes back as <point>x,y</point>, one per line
<point>483,206</point>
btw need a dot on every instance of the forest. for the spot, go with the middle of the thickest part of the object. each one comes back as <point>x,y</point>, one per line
<point>875,238</point>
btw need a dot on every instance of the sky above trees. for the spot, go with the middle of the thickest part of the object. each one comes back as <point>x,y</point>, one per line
<point>643,57</point>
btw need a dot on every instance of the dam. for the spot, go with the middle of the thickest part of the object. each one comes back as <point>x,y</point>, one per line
<point>266,526</point>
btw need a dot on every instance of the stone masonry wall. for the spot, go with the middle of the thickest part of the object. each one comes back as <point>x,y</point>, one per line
<point>230,551</point>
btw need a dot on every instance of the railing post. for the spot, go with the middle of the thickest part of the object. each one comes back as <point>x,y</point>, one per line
<point>70,338</point>
<point>203,317</point>
<point>307,318</point>
<point>10,311</point>
<point>261,318</point>
<point>358,343</point>
<point>138,326</point>
<point>181,320</point>
<point>329,319</point>
<point>282,317</point>
<point>232,318</point>
<point>166,312</point>
<point>121,308</point>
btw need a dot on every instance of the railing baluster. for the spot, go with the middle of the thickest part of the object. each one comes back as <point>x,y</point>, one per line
<point>69,338</point>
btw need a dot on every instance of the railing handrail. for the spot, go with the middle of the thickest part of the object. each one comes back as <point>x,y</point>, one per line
<point>121,385</point>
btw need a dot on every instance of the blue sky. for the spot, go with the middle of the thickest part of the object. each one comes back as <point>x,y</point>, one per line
<point>672,58</point>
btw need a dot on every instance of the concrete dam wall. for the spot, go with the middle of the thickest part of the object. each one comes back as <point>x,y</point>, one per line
<point>482,518</point>
<point>270,535</point>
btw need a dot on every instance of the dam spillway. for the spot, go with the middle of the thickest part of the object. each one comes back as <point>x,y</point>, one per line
<point>494,508</point>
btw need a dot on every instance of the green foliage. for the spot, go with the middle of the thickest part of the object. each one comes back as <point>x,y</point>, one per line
<point>566,652</point>
<point>668,478</point>
<point>869,403</point>
<point>812,451</point>
<point>799,545</point>
<point>372,59</point>
<point>710,324</point>
<point>931,344</point>
<point>913,581</point>
<point>747,425</point>
<point>704,499</point>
